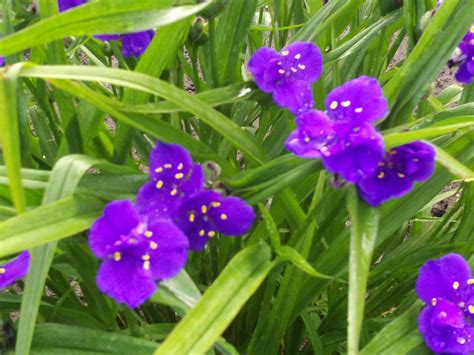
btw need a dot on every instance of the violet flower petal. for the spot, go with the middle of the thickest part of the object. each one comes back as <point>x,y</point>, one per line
<point>14,269</point>
<point>65,5</point>
<point>302,60</point>
<point>258,64</point>
<point>119,219</point>
<point>297,96</point>
<point>135,44</point>
<point>358,100</point>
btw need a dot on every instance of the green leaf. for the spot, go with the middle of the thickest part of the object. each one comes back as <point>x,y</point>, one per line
<point>364,228</point>
<point>286,253</point>
<point>453,165</point>
<point>203,324</point>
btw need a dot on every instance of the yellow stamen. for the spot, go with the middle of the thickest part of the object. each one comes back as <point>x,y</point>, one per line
<point>333,105</point>
<point>455,285</point>
<point>117,256</point>
<point>2,270</point>
<point>180,166</point>
<point>302,66</point>
<point>285,53</point>
<point>159,170</point>
<point>146,265</point>
<point>168,166</point>
<point>281,71</point>
<point>211,234</point>
<point>216,204</point>
<point>381,175</point>
<point>146,257</point>
<point>202,232</point>
<point>223,216</point>
<point>346,103</point>
<point>153,245</point>
<point>159,184</point>
<point>434,301</point>
<point>148,234</point>
<point>400,175</point>
<point>294,70</point>
<point>472,29</point>
<point>179,176</point>
<point>298,56</point>
<point>359,109</point>
<point>470,282</point>
<point>204,209</point>
<point>173,192</point>
<point>471,309</point>
<point>307,139</point>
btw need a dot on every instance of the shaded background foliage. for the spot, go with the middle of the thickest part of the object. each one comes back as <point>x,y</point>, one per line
<point>78,120</point>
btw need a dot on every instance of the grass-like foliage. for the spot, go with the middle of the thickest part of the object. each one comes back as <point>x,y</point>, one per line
<point>326,258</point>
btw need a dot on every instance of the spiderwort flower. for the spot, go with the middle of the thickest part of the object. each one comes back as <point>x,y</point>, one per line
<point>344,136</point>
<point>202,215</point>
<point>465,58</point>
<point>288,75</point>
<point>173,176</point>
<point>446,285</point>
<point>135,252</point>
<point>14,270</point>
<point>396,173</point>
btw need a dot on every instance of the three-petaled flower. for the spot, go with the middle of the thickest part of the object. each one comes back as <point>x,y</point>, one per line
<point>288,74</point>
<point>135,252</point>
<point>396,173</point>
<point>14,269</point>
<point>344,137</point>
<point>446,285</point>
<point>133,44</point>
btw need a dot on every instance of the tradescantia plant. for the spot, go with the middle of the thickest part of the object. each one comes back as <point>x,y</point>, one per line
<point>239,176</point>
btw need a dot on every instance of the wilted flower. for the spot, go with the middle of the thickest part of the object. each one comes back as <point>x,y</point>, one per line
<point>177,192</point>
<point>204,214</point>
<point>133,44</point>
<point>344,136</point>
<point>288,75</point>
<point>135,252</point>
<point>396,173</point>
<point>14,269</point>
<point>173,176</point>
<point>446,285</point>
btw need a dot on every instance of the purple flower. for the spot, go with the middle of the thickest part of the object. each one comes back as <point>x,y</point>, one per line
<point>288,75</point>
<point>396,173</point>
<point>344,136</point>
<point>133,44</point>
<point>465,58</point>
<point>447,287</point>
<point>135,252</point>
<point>14,270</point>
<point>204,214</point>
<point>173,176</point>
<point>65,5</point>
<point>2,61</point>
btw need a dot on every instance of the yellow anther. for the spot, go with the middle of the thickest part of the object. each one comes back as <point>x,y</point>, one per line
<point>180,166</point>
<point>146,265</point>
<point>173,192</point>
<point>381,175</point>
<point>279,63</point>
<point>434,301</point>
<point>401,175</point>
<point>298,56</point>
<point>285,53</point>
<point>168,166</point>
<point>333,105</point>
<point>461,304</point>
<point>159,184</point>
<point>472,29</point>
<point>146,257</point>
<point>455,285</point>
<point>471,309</point>
<point>117,256</point>
<point>294,70</point>
<point>2,270</point>
<point>216,204</point>
<point>179,176</point>
<point>281,71</point>
<point>307,139</point>
<point>346,103</point>
<point>302,66</point>
<point>359,109</point>
<point>211,234</point>
<point>470,282</point>
<point>153,245</point>
<point>204,209</point>
<point>202,232</point>
<point>192,217</point>
<point>159,170</point>
<point>148,234</point>
<point>223,216</point>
